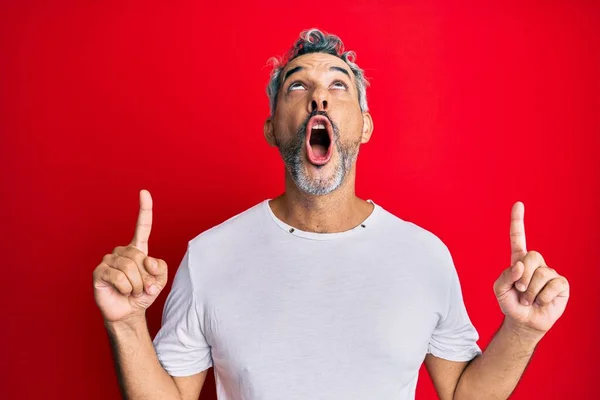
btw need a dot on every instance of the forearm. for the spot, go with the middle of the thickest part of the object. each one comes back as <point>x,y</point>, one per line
<point>140,374</point>
<point>495,374</point>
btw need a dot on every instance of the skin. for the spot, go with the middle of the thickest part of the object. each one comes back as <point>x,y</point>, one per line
<point>531,295</point>
<point>126,283</point>
<point>316,87</point>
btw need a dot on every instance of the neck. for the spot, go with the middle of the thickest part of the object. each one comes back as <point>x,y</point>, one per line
<point>337,211</point>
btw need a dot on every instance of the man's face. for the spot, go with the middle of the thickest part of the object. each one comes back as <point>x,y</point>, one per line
<point>318,125</point>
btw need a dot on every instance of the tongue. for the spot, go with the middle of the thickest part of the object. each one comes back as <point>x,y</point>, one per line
<point>319,150</point>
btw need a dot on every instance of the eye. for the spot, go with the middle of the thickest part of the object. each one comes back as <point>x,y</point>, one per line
<point>295,86</point>
<point>339,85</point>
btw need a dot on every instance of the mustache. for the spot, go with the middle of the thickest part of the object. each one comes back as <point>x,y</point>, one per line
<point>302,128</point>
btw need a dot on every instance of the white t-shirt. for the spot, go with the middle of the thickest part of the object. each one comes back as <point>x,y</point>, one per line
<point>287,314</point>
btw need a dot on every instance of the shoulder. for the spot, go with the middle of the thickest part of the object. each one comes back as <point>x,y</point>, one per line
<point>421,243</point>
<point>407,231</point>
<point>233,229</point>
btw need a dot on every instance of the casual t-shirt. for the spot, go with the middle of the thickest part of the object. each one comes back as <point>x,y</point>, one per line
<point>283,313</point>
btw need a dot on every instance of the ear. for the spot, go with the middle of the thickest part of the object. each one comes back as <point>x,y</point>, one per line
<point>367,128</point>
<point>269,132</point>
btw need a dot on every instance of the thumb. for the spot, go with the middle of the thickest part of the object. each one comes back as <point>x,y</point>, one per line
<point>508,278</point>
<point>159,271</point>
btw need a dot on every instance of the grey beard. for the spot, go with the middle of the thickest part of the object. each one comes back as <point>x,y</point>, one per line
<point>291,152</point>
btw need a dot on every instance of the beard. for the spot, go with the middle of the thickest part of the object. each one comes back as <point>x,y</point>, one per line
<point>291,152</point>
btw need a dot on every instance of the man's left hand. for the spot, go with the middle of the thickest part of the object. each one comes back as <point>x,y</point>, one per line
<point>531,295</point>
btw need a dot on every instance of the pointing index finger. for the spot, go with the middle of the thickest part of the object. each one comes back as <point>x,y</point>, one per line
<point>518,247</point>
<point>144,222</point>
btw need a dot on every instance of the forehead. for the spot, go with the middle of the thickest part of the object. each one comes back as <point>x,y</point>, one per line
<point>317,62</point>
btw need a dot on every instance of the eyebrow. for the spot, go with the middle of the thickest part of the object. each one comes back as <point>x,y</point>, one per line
<point>340,69</point>
<point>291,71</point>
<point>299,68</point>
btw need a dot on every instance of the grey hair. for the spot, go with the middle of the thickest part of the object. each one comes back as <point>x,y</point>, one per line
<point>315,41</point>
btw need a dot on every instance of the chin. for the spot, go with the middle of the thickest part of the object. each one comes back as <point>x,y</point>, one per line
<point>319,179</point>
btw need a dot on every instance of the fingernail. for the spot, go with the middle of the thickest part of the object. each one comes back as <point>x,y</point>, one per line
<point>524,302</point>
<point>154,263</point>
<point>152,290</point>
<point>520,287</point>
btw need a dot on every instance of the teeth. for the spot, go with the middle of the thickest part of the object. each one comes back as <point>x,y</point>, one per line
<point>318,126</point>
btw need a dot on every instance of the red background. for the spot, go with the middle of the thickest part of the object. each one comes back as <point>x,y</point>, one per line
<point>475,106</point>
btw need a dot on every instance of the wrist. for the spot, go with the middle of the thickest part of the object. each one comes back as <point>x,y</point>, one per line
<point>527,337</point>
<point>127,326</point>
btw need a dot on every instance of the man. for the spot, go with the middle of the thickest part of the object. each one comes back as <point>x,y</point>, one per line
<point>318,294</point>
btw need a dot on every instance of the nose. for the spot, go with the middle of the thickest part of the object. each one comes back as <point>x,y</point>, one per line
<point>318,101</point>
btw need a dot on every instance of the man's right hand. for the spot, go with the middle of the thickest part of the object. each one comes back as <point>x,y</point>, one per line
<point>127,281</point>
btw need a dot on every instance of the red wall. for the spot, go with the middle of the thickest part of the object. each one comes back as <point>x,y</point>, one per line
<point>475,107</point>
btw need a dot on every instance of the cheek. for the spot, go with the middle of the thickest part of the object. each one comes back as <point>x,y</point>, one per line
<point>351,126</point>
<point>291,105</point>
<point>286,126</point>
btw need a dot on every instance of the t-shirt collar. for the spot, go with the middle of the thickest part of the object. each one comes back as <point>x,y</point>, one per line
<point>364,225</point>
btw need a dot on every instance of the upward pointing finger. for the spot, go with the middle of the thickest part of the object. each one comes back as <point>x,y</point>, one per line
<point>518,247</point>
<point>144,222</point>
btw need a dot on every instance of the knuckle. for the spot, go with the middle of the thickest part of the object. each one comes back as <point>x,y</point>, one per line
<point>533,254</point>
<point>543,273</point>
<point>527,267</point>
<point>135,254</point>
<point>553,284</point>
<point>127,265</point>
<point>99,271</point>
<point>144,225</point>
<point>558,283</point>
<point>131,249</point>
<point>107,275</point>
<point>118,250</point>
<point>121,279</point>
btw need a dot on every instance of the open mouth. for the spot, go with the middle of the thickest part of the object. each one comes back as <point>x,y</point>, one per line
<point>318,140</point>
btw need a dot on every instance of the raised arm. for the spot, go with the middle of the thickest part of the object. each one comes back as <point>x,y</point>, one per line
<point>125,284</point>
<point>532,297</point>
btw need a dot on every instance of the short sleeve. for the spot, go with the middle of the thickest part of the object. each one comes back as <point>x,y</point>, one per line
<point>180,343</point>
<point>455,337</point>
